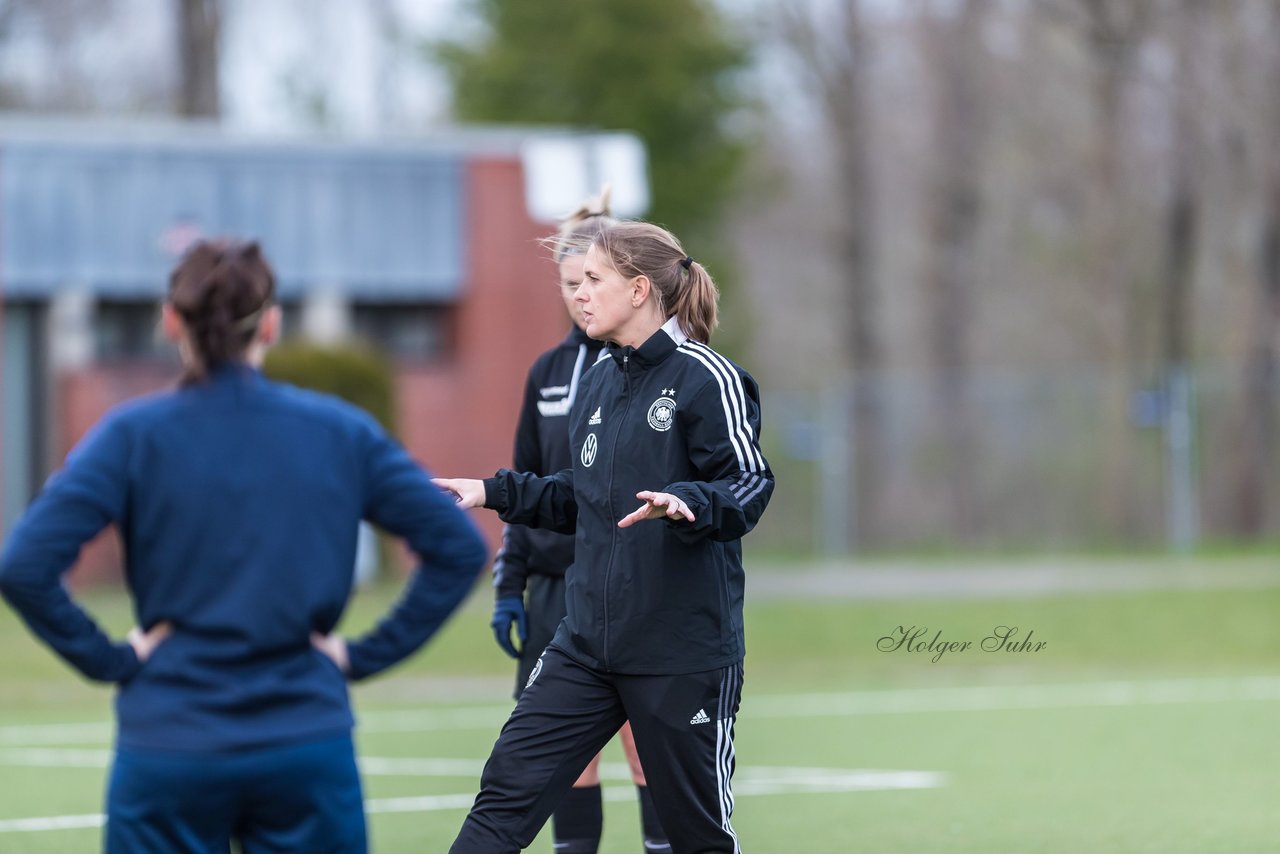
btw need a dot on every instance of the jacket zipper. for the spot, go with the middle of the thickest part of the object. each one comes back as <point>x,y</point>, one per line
<point>613,539</point>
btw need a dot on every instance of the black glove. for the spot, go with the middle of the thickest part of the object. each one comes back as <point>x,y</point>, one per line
<point>508,610</point>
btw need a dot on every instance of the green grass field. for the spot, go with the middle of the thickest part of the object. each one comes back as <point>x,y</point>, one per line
<point>1147,723</point>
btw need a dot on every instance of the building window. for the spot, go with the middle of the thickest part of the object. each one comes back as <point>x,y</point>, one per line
<point>409,331</point>
<point>129,330</point>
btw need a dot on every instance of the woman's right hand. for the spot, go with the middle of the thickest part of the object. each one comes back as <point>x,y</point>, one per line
<point>467,493</point>
<point>145,643</point>
<point>333,646</point>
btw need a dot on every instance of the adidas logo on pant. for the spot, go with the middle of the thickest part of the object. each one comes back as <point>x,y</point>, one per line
<point>700,717</point>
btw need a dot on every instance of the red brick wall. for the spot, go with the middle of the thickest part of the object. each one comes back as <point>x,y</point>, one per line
<point>458,418</point>
<point>82,398</point>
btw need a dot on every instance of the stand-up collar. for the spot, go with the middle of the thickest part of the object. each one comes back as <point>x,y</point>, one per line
<point>234,372</point>
<point>233,376</point>
<point>653,351</point>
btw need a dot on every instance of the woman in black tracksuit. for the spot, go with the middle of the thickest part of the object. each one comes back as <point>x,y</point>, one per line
<point>653,632</point>
<point>528,572</point>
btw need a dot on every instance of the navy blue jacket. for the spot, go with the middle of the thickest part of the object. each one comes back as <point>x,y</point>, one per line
<point>542,448</point>
<point>660,597</point>
<point>238,502</point>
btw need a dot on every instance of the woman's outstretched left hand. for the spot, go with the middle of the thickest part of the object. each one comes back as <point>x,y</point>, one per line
<point>466,492</point>
<point>657,505</point>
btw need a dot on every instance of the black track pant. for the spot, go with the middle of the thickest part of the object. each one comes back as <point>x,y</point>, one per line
<point>684,734</point>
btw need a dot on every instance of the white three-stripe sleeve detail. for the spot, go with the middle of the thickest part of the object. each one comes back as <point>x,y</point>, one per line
<point>738,396</point>
<point>736,438</point>
<point>749,488</point>
<point>759,487</point>
<point>740,489</point>
<point>733,405</point>
<point>735,380</point>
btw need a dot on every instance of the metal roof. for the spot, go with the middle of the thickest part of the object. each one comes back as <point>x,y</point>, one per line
<point>107,206</point>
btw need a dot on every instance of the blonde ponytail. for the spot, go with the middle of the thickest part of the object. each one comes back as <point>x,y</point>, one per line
<point>683,287</point>
<point>695,304</point>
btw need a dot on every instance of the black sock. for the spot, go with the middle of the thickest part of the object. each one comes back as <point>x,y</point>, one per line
<point>654,837</point>
<point>578,821</point>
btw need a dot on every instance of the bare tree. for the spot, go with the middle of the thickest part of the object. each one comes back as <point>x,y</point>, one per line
<point>8,11</point>
<point>1251,494</point>
<point>58,28</point>
<point>833,48</point>
<point>955,49</point>
<point>1112,33</point>
<point>1181,233</point>
<point>389,30</point>
<point>199,35</point>
<point>1181,247</point>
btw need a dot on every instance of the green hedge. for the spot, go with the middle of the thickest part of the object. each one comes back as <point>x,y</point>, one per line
<point>357,375</point>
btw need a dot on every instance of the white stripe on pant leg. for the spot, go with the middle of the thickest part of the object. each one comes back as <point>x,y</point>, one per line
<point>720,781</point>
<point>724,750</point>
<point>736,683</point>
<point>730,761</point>
<point>726,795</point>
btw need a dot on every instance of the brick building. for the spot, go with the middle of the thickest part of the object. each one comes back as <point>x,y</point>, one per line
<point>424,247</point>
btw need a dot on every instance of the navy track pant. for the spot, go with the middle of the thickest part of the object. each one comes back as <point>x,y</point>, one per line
<point>295,797</point>
<point>683,727</point>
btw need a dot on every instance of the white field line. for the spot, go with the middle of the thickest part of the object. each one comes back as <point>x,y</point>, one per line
<point>1016,697</point>
<point>424,803</point>
<point>32,734</point>
<point>370,766</point>
<point>761,781</point>
<point>53,757</point>
<point>840,704</point>
<point>899,701</point>
<point>920,700</point>
<point>387,766</point>
<point>469,769</point>
<point>490,717</point>
<point>52,822</point>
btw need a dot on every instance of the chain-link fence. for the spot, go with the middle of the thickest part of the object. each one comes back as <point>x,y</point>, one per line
<point>1036,459</point>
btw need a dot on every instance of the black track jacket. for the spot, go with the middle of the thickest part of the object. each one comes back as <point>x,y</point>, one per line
<point>660,597</point>
<point>542,448</point>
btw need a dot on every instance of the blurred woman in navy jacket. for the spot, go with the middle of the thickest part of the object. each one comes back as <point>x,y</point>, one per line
<point>238,501</point>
